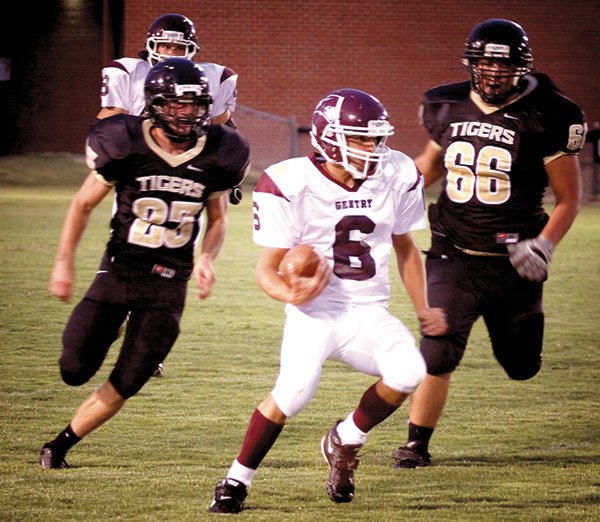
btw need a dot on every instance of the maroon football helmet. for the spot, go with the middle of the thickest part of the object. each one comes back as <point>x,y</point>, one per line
<point>351,112</point>
<point>171,28</point>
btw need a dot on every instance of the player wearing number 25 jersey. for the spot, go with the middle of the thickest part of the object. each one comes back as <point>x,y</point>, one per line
<point>160,197</point>
<point>496,142</point>
<point>354,201</point>
<point>166,170</point>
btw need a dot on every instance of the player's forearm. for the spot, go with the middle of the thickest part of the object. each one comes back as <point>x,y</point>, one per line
<point>73,228</point>
<point>272,284</point>
<point>213,239</point>
<point>565,180</point>
<point>412,273</point>
<point>561,220</point>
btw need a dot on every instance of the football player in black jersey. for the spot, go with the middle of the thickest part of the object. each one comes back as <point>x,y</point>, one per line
<point>496,142</point>
<point>166,169</point>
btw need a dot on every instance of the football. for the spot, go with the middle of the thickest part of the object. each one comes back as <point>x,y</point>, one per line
<point>304,257</point>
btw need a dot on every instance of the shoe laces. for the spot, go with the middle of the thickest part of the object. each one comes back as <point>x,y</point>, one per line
<point>345,456</point>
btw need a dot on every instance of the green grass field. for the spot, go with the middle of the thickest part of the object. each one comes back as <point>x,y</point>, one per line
<point>505,451</point>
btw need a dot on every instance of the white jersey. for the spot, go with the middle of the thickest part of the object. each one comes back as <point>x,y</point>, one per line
<point>296,201</point>
<point>123,85</point>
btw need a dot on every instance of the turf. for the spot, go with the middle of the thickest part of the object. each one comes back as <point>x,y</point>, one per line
<point>505,451</point>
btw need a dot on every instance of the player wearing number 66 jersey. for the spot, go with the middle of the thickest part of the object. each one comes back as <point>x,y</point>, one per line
<point>166,170</point>
<point>355,201</point>
<point>499,139</point>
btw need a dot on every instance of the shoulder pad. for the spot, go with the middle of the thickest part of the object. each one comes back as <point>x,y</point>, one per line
<point>114,135</point>
<point>227,73</point>
<point>232,148</point>
<point>449,93</point>
<point>556,102</point>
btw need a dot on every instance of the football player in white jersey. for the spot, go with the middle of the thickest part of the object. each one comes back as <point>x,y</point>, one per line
<point>354,201</point>
<point>170,35</point>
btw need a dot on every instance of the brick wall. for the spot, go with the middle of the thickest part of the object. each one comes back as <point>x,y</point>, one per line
<point>55,81</point>
<point>289,54</point>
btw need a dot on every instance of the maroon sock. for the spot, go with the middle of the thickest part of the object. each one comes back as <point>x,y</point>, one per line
<point>371,410</point>
<point>260,437</point>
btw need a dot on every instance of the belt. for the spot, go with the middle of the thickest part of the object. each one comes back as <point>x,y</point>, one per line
<point>479,253</point>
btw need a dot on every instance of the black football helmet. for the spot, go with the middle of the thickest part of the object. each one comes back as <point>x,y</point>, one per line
<point>171,28</point>
<point>182,81</point>
<point>501,42</point>
<point>351,112</point>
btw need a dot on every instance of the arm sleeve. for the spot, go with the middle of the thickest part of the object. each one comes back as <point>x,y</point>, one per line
<point>410,211</point>
<point>226,96</point>
<point>115,87</point>
<point>274,222</point>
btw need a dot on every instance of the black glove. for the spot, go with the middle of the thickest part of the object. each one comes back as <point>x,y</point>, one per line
<point>235,195</point>
<point>531,257</point>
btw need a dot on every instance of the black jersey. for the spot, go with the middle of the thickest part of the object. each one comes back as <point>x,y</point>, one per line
<point>494,180</point>
<point>159,197</point>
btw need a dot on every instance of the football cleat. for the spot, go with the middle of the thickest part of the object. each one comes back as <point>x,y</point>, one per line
<point>342,461</point>
<point>229,496</point>
<point>51,459</point>
<point>159,370</point>
<point>411,456</point>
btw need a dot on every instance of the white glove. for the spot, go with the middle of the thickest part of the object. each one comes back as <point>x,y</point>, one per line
<point>531,258</point>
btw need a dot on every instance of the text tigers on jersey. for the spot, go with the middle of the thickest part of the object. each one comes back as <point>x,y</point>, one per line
<point>483,130</point>
<point>174,184</point>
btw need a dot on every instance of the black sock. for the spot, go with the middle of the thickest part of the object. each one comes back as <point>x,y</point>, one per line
<point>65,440</point>
<point>418,436</point>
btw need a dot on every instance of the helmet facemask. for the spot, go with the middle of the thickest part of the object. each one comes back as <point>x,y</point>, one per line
<point>178,99</point>
<point>495,80</point>
<point>497,55</point>
<point>169,37</point>
<point>347,113</point>
<point>184,116</point>
<point>171,29</point>
<point>338,151</point>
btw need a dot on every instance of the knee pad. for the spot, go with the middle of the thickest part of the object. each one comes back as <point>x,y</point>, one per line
<point>407,374</point>
<point>74,376</point>
<point>441,354</point>
<point>148,340</point>
<point>293,392</point>
<point>519,348</point>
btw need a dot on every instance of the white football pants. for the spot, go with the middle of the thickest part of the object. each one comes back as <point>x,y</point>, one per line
<point>364,336</point>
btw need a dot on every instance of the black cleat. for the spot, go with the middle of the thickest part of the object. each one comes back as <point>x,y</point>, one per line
<point>159,371</point>
<point>411,456</point>
<point>51,459</point>
<point>342,461</point>
<point>229,497</point>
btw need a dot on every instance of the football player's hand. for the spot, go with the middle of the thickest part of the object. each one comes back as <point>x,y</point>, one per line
<point>531,257</point>
<point>205,277</point>
<point>60,284</point>
<point>305,289</point>
<point>433,321</point>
